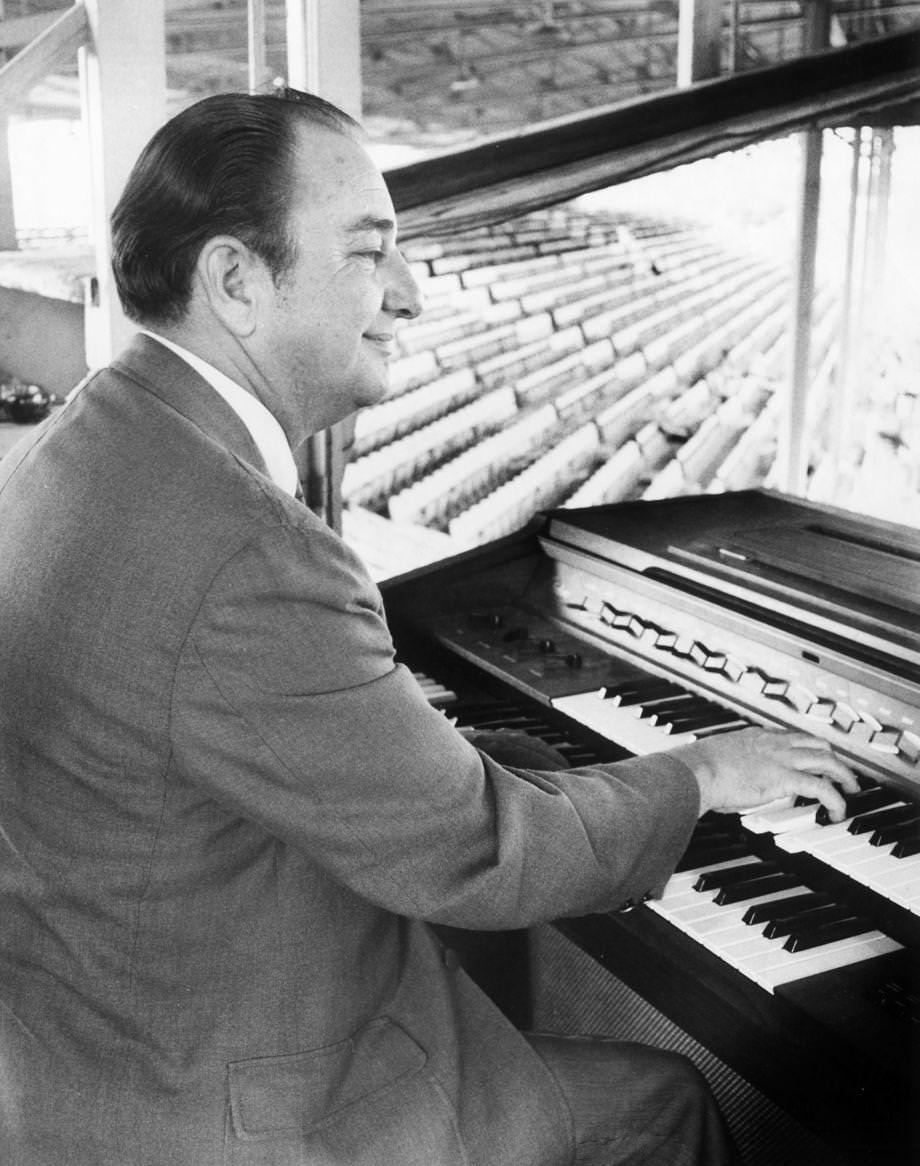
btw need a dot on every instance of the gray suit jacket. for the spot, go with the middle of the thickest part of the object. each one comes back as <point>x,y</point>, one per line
<point>225,815</point>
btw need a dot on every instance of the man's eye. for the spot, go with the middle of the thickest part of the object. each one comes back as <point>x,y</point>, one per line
<point>374,256</point>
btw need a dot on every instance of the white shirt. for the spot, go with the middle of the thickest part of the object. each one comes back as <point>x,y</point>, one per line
<point>263,428</point>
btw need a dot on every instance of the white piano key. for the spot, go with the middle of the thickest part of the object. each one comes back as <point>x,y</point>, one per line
<point>722,931</point>
<point>837,843</point>
<point>780,819</point>
<point>870,862</point>
<point>686,878</point>
<point>619,724</point>
<point>800,840</point>
<point>789,966</point>
<point>907,895</point>
<point>900,872</point>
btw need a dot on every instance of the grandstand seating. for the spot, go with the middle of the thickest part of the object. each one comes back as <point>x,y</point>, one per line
<point>568,359</point>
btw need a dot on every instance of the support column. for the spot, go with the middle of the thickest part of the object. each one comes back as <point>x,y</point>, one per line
<point>792,452</point>
<point>7,219</point>
<point>699,40</point>
<point>324,57</point>
<point>879,262</point>
<point>123,77</point>
<point>324,50</point>
<point>258,73</point>
<point>841,439</point>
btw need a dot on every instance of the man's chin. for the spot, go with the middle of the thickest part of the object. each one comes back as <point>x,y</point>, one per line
<point>371,392</point>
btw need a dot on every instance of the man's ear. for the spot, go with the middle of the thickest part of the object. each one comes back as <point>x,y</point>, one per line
<point>231,278</point>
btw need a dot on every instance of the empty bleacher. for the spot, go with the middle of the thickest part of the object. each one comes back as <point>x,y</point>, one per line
<point>568,359</point>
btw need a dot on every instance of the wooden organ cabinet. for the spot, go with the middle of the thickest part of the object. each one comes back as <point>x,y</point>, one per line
<point>783,954</point>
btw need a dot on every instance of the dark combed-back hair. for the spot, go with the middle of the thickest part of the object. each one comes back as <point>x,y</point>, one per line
<point>220,167</point>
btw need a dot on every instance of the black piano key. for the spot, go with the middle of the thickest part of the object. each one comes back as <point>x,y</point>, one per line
<point>879,819</point>
<point>895,832</point>
<point>866,800</point>
<point>700,720</point>
<point>711,834</point>
<point>695,857</point>
<point>469,712</point>
<point>711,880</point>
<point>829,933</point>
<point>548,733</point>
<point>786,908</point>
<point>723,727</point>
<point>660,712</point>
<point>636,692</point>
<point>806,920</point>
<point>907,847</point>
<point>754,888</point>
<point>577,754</point>
<point>664,705</point>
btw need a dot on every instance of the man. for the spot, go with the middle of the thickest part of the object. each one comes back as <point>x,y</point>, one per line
<point>226,817</point>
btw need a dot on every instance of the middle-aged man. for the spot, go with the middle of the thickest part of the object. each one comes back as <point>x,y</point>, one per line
<point>226,816</point>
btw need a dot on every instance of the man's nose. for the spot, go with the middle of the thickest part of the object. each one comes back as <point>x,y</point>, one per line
<point>403,297</point>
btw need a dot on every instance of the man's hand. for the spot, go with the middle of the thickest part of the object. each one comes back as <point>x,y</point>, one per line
<point>737,771</point>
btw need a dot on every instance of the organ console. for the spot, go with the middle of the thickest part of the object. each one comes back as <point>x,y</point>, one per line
<point>783,945</point>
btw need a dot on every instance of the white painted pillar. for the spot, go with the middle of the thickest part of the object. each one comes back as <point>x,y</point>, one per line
<point>841,441</point>
<point>792,453</point>
<point>792,447</point>
<point>7,220</point>
<point>258,74</point>
<point>699,39</point>
<point>324,50</point>
<point>123,77</point>
<point>324,57</point>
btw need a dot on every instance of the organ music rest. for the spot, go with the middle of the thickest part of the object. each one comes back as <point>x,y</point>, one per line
<point>785,947</point>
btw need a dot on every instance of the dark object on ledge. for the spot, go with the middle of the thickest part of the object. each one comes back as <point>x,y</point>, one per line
<point>24,403</point>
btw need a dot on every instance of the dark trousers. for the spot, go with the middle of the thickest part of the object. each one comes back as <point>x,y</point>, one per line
<point>632,1105</point>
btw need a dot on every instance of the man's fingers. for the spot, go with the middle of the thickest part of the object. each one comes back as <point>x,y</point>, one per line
<point>830,766</point>
<point>815,755</point>
<point>824,791</point>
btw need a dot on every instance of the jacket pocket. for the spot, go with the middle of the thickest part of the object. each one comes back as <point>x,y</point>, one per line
<point>361,1102</point>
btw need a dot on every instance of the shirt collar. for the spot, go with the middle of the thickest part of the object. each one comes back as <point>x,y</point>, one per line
<point>263,427</point>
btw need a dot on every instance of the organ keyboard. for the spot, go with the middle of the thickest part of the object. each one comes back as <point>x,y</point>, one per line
<point>786,944</point>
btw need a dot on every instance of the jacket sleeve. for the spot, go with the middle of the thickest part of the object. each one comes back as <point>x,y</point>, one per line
<point>288,709</point>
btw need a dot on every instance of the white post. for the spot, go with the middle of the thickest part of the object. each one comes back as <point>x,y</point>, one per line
<point>792,447</point>
<point>699,40</point>
<point>324,57</point>
<point>843,431</point>
<point>123,75</point>
<point>256,31</point>
<point>7,219</point>
<point>792,454</point>
<point>324,50</point>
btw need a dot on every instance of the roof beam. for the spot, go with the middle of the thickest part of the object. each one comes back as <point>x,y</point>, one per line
<point>16,31</point>
<point>510,175</point>
<point>55,46</point>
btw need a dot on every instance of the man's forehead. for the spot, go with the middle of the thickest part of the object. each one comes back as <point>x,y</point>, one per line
<point>335,169</point>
